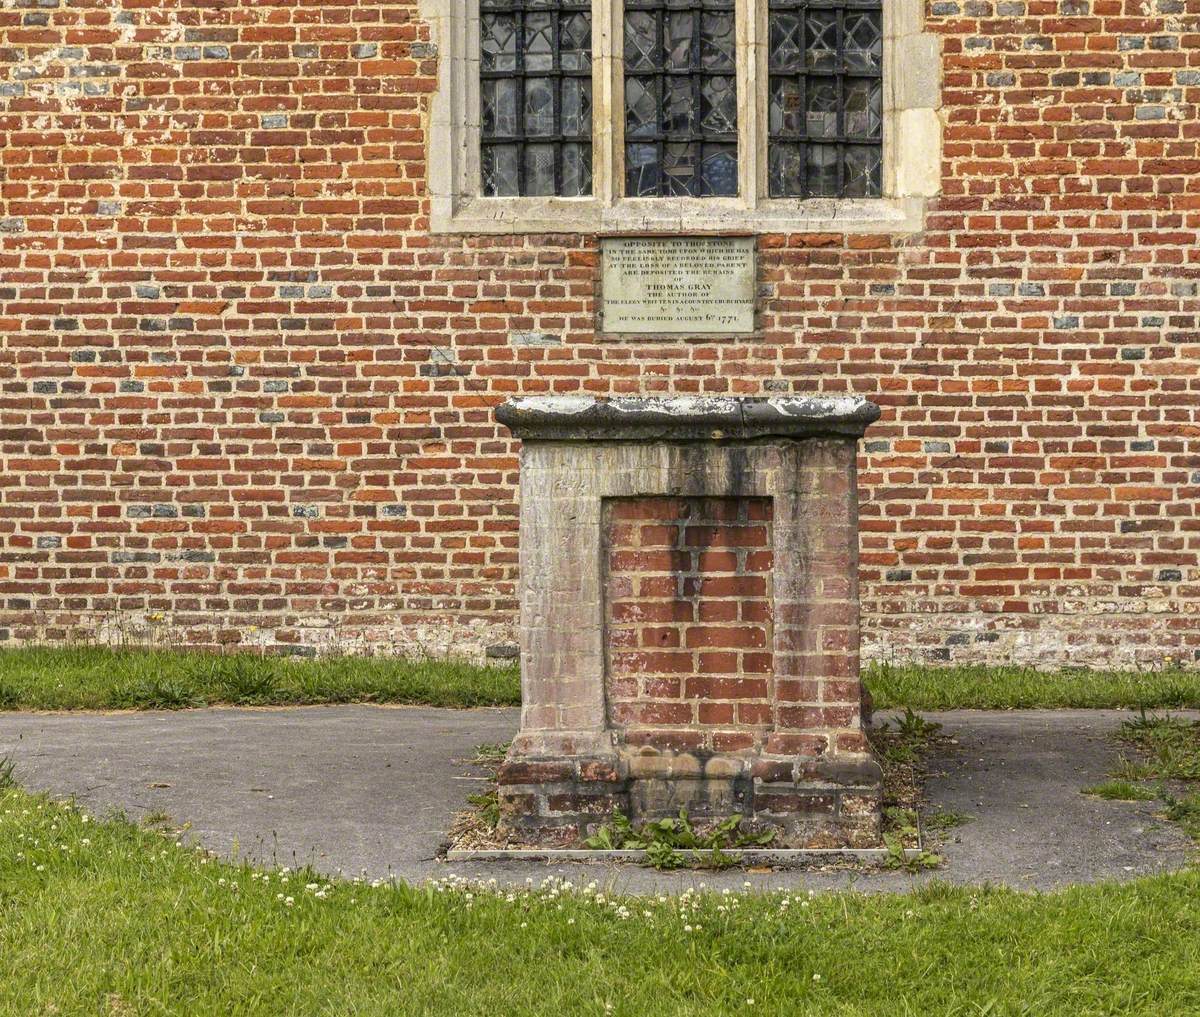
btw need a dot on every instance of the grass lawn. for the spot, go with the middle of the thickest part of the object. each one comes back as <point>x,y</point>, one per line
<point>99,678</point>
<point>105,918</point>
<point>980,687</point>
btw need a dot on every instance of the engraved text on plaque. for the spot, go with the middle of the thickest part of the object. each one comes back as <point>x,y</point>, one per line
<point>677,284</point>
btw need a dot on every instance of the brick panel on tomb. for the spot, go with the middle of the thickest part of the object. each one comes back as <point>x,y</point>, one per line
<point>687,601</point>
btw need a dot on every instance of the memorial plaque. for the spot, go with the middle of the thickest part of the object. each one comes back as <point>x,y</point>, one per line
<point>677,284</point>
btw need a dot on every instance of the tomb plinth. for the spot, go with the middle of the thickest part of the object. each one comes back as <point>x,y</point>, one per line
<point>690,618</point>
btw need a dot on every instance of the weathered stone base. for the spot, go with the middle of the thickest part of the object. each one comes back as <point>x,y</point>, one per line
<point>811,803</point>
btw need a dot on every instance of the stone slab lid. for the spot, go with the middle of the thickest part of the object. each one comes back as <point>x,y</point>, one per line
<point>686,418</point>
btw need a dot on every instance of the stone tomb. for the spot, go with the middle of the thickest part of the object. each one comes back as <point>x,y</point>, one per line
<point>689,618</point>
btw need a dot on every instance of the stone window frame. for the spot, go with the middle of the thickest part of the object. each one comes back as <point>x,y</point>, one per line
<point>912,140</point>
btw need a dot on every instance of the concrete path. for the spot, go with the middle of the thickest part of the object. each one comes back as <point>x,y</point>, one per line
<point>374,789</point>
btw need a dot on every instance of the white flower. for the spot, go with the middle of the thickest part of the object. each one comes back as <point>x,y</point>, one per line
<point>289,901</point>
<point>816,978</point>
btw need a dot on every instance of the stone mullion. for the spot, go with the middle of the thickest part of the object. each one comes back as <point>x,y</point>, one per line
<point>608,102</point>
<point>750,17</point>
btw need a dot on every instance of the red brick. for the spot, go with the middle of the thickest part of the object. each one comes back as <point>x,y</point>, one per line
<point>705,687</point>
<point>723,636</point>
<point>715,648</point>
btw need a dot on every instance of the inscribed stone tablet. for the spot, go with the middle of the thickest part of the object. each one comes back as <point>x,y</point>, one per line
<point>677,284</point>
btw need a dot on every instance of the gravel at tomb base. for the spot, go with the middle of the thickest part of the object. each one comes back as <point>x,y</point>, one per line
<point>103,917</point>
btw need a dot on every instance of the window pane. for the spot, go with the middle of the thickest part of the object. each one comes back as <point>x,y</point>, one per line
<point>825,105</point>
<point>680,98</point>
<point>535,68</point>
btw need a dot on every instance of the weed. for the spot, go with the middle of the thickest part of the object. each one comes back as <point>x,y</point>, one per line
<point>1121,791</point>
<point>245,680</point>
<point>1171,749</point>
<point>915,728</point>
<point>488,805</point>
<point>660,855</point>
<point>161,694</point>
<point>1130,770</point>
<point>898,856</point>
<point>1186,812</point>
<point>1171,745</point>
<point>902,751</point>
<point>1142,722</point>
<point>491,753</point>
<point>8,777</point>
<point>664,839</point>
<point>900,820</point>
<point>948,820</point>
<point>900,830</point>
<point>900,754</point>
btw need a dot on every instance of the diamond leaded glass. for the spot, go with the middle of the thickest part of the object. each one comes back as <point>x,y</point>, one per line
<point>680,98</point>
<point>535,71</point>
<point>825,99</point>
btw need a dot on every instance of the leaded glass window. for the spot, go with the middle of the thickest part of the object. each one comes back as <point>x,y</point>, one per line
<point>535,69</point>
<point>681,126</point>
<point>810,124</point>
<point>825,115</point>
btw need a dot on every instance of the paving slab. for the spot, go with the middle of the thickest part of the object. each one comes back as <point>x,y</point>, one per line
<point>370,789</point>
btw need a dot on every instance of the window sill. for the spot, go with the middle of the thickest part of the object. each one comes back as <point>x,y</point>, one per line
<point>680,215</point>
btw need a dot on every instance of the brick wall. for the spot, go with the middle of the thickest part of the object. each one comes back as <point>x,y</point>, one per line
<point>688,616</point>
<point>245,396</point>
